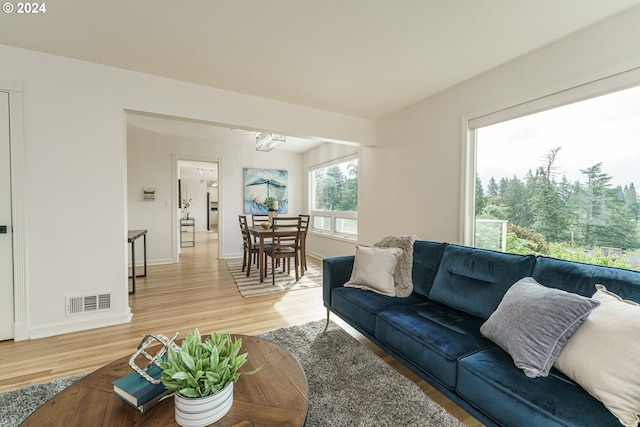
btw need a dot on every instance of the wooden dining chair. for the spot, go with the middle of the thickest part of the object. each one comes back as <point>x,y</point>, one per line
<point>249,248</point>
<point>285,245</point>
<point>256,220</point>
<point>304,227</point>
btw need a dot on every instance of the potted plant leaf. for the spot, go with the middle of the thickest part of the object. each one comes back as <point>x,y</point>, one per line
<point>201,376</point>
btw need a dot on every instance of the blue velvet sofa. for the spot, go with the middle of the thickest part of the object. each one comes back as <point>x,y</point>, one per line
<point>436,330</point>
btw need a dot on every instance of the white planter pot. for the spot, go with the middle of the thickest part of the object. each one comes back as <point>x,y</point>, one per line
<point>202,411</point>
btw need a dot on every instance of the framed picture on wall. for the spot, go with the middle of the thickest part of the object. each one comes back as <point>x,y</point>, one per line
<point>261,184</point>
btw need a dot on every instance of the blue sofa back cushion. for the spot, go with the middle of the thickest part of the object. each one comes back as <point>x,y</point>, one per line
<point>426,258</point>
<point>475,280</point>
<point>581,278</point>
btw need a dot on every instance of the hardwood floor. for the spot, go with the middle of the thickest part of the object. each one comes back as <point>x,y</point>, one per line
<point>199,292</point>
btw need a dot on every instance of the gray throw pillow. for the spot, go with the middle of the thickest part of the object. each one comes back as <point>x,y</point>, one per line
<point>534,322</point>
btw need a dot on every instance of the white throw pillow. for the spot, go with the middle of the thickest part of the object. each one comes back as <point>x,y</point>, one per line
<point>373,269</point>
<point>602,356</point>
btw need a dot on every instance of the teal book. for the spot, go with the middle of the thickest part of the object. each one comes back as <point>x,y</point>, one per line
<point>136,390</point>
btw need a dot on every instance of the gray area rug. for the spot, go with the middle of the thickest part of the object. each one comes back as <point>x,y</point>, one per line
<point>348,385</point>
<point>16,405</point>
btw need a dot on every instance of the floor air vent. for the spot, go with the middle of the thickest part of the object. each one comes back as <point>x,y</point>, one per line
<point>88,303</point>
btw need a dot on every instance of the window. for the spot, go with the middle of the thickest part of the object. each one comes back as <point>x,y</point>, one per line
<point>334,197</point>
<point>561,182</point>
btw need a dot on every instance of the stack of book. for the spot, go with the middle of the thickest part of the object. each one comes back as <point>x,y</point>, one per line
<point>138,392</point>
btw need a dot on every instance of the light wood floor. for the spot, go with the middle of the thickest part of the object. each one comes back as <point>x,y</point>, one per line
<point>199,292</point>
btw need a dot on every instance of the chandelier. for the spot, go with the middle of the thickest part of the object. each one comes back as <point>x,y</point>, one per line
<point>268,141</point>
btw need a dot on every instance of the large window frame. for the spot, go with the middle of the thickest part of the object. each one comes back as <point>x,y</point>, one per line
<point>330,219</point>
<point>613,83</point>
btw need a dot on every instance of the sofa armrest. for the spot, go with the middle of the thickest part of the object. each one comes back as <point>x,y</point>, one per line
<point>336,271</point>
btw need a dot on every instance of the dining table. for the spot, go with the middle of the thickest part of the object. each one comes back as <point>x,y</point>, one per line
<point>265,233</point>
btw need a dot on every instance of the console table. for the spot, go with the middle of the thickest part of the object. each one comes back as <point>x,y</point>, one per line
<point>188,225</point>
<point>278,395</point>
<point>131,238</point>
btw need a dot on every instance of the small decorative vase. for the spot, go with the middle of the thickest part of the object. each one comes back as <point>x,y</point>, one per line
<point>202,411</point>
<point>271,215</point>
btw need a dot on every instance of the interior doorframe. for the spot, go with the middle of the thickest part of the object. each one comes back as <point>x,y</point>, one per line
<point>175,159</point>
<point>18,222</point>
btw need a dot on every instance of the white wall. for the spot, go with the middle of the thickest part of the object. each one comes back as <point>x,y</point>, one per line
<point>150,159</point>
<point>75,145</point>
<point>416,165</point>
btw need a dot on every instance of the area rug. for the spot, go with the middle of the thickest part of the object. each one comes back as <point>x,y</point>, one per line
<point>251,286</point>
<point>16,405</point>
<point>348,385</point>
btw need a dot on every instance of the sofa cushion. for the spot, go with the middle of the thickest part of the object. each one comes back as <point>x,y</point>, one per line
<point>534,322</point>
<point>362,307</point>
<point>490,381</point>
<point>432,336</point>
<point>602,356</point>
<point>582,278</point>
<point>426,259</point>
<point>373,269</point>
<point>475,280</point>
<point>402,272</point>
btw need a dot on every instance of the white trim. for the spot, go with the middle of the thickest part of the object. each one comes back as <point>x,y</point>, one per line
<point>19,238</point>
<point>602,86</point>
<point>335,236</point>
<point>467,185</point>
<point>175,160</point>
<point>336,161</point>
<point>81,324</point>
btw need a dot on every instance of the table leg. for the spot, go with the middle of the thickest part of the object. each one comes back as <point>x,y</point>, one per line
<point>133,267</point>
<point>261,258</point>
<point>144,242</point>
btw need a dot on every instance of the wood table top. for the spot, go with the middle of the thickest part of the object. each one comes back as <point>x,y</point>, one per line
<point>277,395</point>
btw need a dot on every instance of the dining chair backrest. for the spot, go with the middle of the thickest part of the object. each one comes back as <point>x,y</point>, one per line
<point>289,224</point>
<point>244,229</point>
<point>256,219</point>
<point>304,228</point>
<point>304,224</point>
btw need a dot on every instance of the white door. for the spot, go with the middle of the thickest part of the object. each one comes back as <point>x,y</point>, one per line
<point>6,257</point>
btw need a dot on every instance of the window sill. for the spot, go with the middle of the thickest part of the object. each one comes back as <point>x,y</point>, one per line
<point>335,236</point>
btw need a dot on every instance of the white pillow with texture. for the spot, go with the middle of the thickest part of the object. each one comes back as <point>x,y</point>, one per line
<point>603,356</point>
<point>373,269</point>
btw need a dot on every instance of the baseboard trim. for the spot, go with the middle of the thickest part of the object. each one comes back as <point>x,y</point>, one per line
<point>82,323</point>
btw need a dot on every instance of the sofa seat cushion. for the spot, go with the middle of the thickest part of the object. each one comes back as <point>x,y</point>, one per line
<point>490,381</point>
<point>475,280</point>
<point>362,306</point>
<point>432,336</point>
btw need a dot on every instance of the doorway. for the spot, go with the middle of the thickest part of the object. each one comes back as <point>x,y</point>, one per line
<point>198,201</point>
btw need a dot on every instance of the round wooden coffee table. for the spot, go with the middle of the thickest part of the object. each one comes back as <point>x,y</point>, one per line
<point>277,395</point>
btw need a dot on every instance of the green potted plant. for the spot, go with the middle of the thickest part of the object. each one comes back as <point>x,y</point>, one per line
<point>201,376</point>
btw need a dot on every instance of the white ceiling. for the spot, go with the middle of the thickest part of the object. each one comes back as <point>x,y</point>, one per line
<point>365,58</point>
<point>192,131</point>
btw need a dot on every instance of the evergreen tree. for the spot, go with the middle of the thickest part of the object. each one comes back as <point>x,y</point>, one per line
<point>492,189</point>
<point>594,203</point>
<point>480,200</point>
<point>502,186</point>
